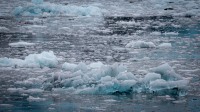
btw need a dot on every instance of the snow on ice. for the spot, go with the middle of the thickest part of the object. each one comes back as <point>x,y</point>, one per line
<point>44,59</point>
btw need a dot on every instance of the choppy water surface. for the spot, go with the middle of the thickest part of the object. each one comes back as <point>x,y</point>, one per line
<point>103,38</point>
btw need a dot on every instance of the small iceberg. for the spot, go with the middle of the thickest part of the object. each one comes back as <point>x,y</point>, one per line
<point>44,59</point>
<point>98,78</point>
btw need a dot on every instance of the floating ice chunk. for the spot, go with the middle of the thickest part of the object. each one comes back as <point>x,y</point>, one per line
<point>33,91</point>
<point>21,44</point>
<point>69,66</point>
<point>15,90</point>
<point>37,1</point>
<point>31,82</point>
<point>128,23</point>
<point>45,59</point>
<point>140,44</point>
<point>151,77</point>
<point>161,84</point>
<point>40,8</point>
<point>2,29</point>
<point>97,78</point>
<point>96,65</point>
<point>35,99</point>
<point>171,33</point>
<point>179,101</point>
<point>166,72</point>
<point>81,66</point>
<point>165,45</point>
<point>6,105</point>
<point>155,33</point>
<point>25,91</point>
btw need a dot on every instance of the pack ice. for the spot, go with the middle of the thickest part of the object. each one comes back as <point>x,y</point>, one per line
<point>44,59</point>
<point>40,8</point>
<point>98,78</point>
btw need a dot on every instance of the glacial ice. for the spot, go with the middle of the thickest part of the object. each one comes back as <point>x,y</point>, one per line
<point>21,44</point>
<point>40,8</point>
<point>98,78</point>
<point>44,59</point>
<point>140,44</point>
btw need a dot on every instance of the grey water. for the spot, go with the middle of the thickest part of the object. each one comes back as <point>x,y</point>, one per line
<point>92,39</point>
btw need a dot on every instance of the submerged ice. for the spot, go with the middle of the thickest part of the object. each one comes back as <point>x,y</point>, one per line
<point>40,8</point>
<point>44,59</point>
<point>98,78</point>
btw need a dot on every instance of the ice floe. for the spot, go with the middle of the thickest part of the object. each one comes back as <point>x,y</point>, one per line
<point>40,8</point>
<point>98,78</point>
<point>44,59</point>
